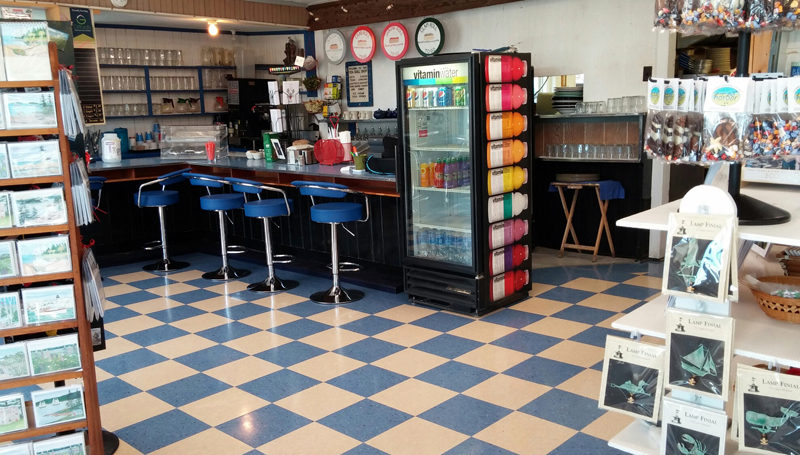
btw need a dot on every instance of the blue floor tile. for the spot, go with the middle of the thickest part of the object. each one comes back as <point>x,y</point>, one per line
<point>228,332</point>
<point>206,359</point>
<point>543,371</point>
<point>583,443</point>
<point>584,314</point>
<point>474,446</point>
<point>117,314</point>
<point>528,342</point>
<point>449,346</point>
<point>305,309</point>
<point>194,296</point>
<point>278,385</point>
<point>598,366</point>
<point>161,430</point>
<point>367,380</point>
<point>365,419</point>
<point>465,414</point>
<point>371,325</point>
<point>566,295</point>
<point>152,282</point>
<point>555,276</point>
<point>187,390</point>
<point>242,311</point>
<point>113,389</point>
<point>129,361</point>
<point>596,336</point>
<point>373,305</point>
<point>369,349</point>
<point>290,353</point>
<point>631,292</point>
<point>455,376</point>
<point>564,408</point>
<point>633,307</point>
<point>300,328</point>
<point>263,425</point>
<point>363,449</point>
<point>155,335</point>
<point>441,321</point>
<point>201,283</point>
<point>176,313</point>
<point>133,297</point>
<point>512,318</point>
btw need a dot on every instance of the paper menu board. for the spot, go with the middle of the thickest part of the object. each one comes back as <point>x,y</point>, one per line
<point>633,376</point>
<point>767,411</point>
<point>692,429</point>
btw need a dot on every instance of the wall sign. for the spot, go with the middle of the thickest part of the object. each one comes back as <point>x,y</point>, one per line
<point>359,83</point>
<point>362,44</point>
<point>87,70</point>
<point>394,41</point>
<point>429,38</point>
<point>335,47</point>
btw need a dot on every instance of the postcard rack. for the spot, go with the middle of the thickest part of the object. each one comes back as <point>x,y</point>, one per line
<point>87,372</point>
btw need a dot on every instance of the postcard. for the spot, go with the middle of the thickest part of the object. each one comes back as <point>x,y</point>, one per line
<point>25,49</point>
<point>633,376</point>
<point>44,255</point>
<point>34,159</point>
<point>72,444</point>
<point>768,411</point>
<point>39,207</point>
<point>48,304</point>
<point>29,110</point>
<point>699,349</point>
<point>13,361</point>
<point>17,449</point>
<point>5,170</point>
<point>52,354</point>
<point>8,259</point>
<point>697,260</point>
<point>6,221</point>
<point>692,429</point>
<point>10,315</point>
<point>12,410</point>
<point>58,405</point>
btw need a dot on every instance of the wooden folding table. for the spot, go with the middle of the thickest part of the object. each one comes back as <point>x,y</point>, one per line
<point>602,201</point>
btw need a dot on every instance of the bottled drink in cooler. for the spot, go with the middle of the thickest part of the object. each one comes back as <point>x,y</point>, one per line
<point>505,179</point>
<point>438,174</point>
<point>505,97</point>
<point>505,68</point>
<point>425,175</point>
<point>505,153</point>
<point>506,206</point>
<point>507,284</point>
<point>507,232</point>
<point>459,96</point>
<point>505,125</point>
<point>423,243</point>
<point>450,173</point>
<point>507,258</point>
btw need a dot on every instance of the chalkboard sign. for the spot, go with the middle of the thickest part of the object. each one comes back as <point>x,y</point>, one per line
<point>359,83</point>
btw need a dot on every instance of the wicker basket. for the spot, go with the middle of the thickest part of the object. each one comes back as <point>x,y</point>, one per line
<point>780,308</point>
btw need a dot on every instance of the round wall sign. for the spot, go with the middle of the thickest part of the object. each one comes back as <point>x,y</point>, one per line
<point>335,47</point>
<point>429,38</point>
<point>394,41</point>
<point>362,44</point>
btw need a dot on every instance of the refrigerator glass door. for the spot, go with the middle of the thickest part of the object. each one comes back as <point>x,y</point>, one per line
<point>438,163</point>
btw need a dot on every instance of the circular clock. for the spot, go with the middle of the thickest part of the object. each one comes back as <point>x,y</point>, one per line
<point>335,47</point>
<point>394,41</point>
<point>119,3</point>
<point>429,38</point>
<point>362,44</point>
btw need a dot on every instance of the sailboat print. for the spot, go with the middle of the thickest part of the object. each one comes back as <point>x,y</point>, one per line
<point>699,363</point>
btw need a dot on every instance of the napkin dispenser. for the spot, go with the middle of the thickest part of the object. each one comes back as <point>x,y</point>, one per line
<point>300,155</point>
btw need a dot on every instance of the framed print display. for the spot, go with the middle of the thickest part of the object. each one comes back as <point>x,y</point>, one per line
<point>25,50</point>
<point>394,41</point>
<point>39,207</point>
<point>17,449</point>
<point>72,444</point>
<point>58,405</point>
<point>697,261</point>
<point>44,255</point>
<point>53,354</point>
<point>30,110</point>
<point>699,353</point>
<point>429,37</point>
<point>10,315</point>
<point>34,159</point>
<point>12,408</point>
<point>8,259</point>
<point>13,361</point>
<point>6,220</point>
<point>768,411</point>
<point>633,376</point>
<point>692,429</point>
<point>335,47</point>
<point>5,171</point>
<point>359,83</point>
<point>362,44</point>
<point>48,304</point>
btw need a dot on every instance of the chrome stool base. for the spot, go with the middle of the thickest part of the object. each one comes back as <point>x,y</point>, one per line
<point>226,273</point>
<point>166,266</point>
<point>336,295</point>
<point>271,285</point>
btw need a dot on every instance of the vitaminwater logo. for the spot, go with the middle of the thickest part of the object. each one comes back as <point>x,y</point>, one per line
<point>681,96</point>
<point>655,94</point>
<point>669,96</point>
<point>725,96</point>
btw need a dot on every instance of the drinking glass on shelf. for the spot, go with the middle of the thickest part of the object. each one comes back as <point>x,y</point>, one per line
<point>580,107</point>
<point>112,55</point>
<point>171,57</point>
<point>550,150</point>
<point>128,55</point>
<point>162,57</point>
<point>103,54</point>
<point>120,56</point>
<point>640,103</point>
<point>179,57</point>
<point>601,107</point>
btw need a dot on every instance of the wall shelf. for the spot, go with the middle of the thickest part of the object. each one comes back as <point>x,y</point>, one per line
<point>31,180</point>
<point>33,230</point>
<point>29,132</point>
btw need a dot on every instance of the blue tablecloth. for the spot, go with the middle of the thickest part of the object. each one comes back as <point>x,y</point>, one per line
<point>609,189</point>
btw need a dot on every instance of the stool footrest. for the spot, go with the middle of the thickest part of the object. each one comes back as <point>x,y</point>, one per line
<point>346,266</point>
<point>282,258</point>
<point>273,284</point>
<point>166,266</point>
<point>226,274</point>
<point>337,295</point>
<point>152,246</point>
<point>236,249</point>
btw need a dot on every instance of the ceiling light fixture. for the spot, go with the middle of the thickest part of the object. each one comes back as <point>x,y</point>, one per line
<point>389,6</point>
<point>213,30</point>
<point>343,8</point>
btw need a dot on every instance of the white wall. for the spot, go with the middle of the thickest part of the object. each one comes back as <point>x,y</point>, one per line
<point>609,40</point>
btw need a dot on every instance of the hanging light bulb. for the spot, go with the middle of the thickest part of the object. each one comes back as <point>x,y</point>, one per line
<point>213,30</point>
<point>343,8</point>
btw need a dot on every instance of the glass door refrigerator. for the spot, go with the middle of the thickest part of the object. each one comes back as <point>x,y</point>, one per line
<point>463,173</point>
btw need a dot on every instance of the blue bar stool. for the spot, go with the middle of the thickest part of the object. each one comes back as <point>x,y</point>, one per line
<point>96,184</point>
<point>264,209</point>
<point>159,199</point>
<point>334,213</point>
<point>219,202</point>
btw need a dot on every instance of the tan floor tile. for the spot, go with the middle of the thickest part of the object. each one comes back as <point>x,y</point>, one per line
<point>200,322</point>
<point>428,438</point>
<point>493,358</point>
<point>119,289</point>
<point>208,441</point>
<point>223,406</point>
<point>485,332</point>
<point>134,324</point>
<point>586,384</point>
<point>157,375</point>
<point>177,347</point>
<point>125,449</point>
<point>538,305</point>
<point>243,370</point>
<point>405,313</point>
<point>410,362</point>
<point>607,425</point>
<point>188,275</point>
<point>229,288</point>
<point>507,391</point>
<point>413,396</point>
<point>646,281</point>
<point>319,401</point>
<point>557,327</point>
<point>326,366</point>
<point>131,277</point>
<point>538,288</point>
<point>608,302</point>
<point>607,323</point>
<point>130,410</point>
<point>153,305</point>
<point>407,335</point>
<point>115,346</point>
<point>172,289</point>
<point>574,353</point>
<point>337,316</point>
<point>278,301</point>
<point>257,342</point>
<point>101,374</point>
<point>523,433</point>
<point>333,338</point>
<point>313,438</point>
<point>589,284</point>
<point>216,303</point>
<point>269,319</point>
<point>107,305</point>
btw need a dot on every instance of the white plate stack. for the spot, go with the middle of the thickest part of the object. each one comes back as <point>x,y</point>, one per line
<point>565,98</point>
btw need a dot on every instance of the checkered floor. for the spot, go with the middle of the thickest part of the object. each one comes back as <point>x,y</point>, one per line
<point>194,366</point>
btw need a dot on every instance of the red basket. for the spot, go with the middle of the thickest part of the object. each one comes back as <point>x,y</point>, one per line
<point>329,151</point>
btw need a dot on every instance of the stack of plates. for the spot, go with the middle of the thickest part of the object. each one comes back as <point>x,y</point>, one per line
<point>565,98</point>
<point>721,58</point>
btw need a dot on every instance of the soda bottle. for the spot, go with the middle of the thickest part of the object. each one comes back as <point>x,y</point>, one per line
<point>505,125</point>
<point>505,179</point>
<point>423,243</point>
<point>425,177</point>
<point>505,153</point>
<point>507,258</point>
<point>506,206</point>
<point>507,283</point>
<point>438,174</point>
<point>507,232</point>
<point>505,68</point>
<point>505,97</point>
